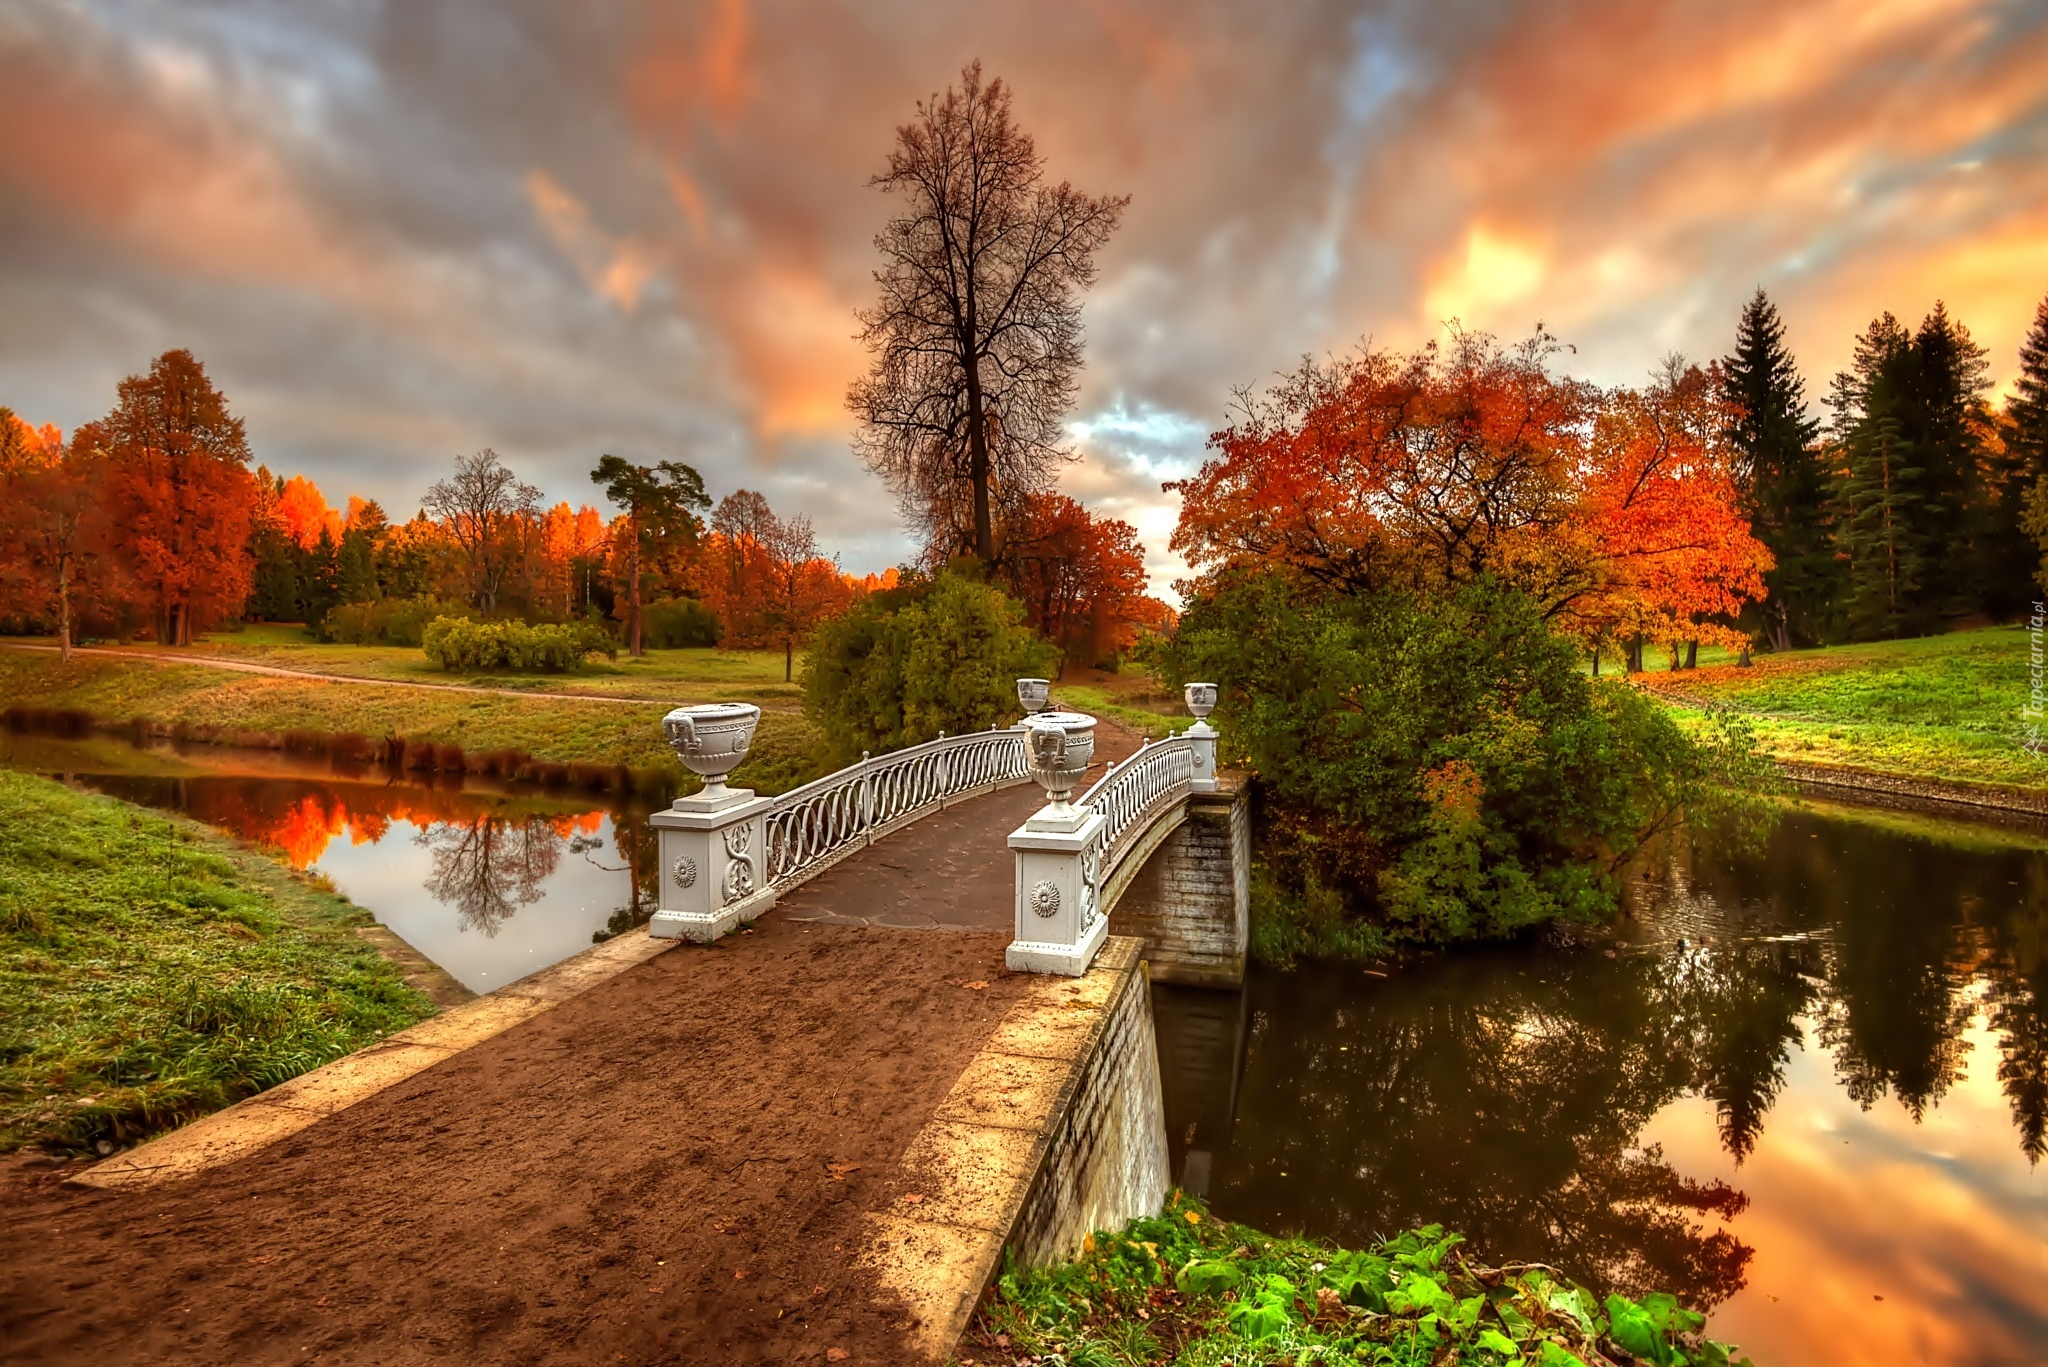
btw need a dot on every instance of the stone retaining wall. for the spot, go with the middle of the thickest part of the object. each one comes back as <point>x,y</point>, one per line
<point>1917,793</point>
<point>1191,902</point>
<point>1107,1161</point>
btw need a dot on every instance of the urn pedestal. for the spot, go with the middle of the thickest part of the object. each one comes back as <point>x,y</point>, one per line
<point>1058,916</point>
<point>1059,921</point>
<point>714,870</point>
<point>713,843</point>
<point>1201,701</point>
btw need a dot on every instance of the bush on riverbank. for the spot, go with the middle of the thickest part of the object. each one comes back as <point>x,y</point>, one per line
<point>151,972</point>
<point>1187,1288</point>
<point>1440,769</point>
<point>455,643</point>
<point>904,664</point>
<point>388,621</point>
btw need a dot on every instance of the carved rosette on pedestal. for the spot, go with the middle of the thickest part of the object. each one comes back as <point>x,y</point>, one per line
<point>1059,927</point>
<point>711,840</point>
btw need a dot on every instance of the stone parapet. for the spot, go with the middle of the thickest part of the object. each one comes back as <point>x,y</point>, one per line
<point>1191,901</point>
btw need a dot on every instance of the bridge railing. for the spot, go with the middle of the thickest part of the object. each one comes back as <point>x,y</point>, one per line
<point>809,829</point>
<point>1158,777</point>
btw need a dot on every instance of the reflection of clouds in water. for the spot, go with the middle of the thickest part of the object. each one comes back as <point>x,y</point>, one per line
<point>487,868</point>
<point>1848,1204</point>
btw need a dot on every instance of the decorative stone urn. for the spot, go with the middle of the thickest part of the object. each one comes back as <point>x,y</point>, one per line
<point>1058,746</point>
<point>1034,694</point>
<point>712,739</point>
<point>1201,700</point>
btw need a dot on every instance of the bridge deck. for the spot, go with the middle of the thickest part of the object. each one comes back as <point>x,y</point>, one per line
<point>672,1167</point>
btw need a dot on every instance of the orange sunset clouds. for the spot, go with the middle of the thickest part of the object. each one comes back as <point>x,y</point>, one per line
<point>397,232</point>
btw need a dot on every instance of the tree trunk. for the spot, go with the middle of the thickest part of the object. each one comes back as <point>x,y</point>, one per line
<point>633,588</point>
<point>64,608</point>
<point>1742,657</point>
<point>788,658</point>
<point>1596,664</point>
<point>1635,654</point>
<point>977,437</point>
<point>1692,654</point>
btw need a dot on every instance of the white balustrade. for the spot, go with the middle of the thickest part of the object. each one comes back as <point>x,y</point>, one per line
<point>813,827</point>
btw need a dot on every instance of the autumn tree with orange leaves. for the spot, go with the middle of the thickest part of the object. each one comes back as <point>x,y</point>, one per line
<point>1080,577</point>
<point>1401,560</point>
<point>178,486</point>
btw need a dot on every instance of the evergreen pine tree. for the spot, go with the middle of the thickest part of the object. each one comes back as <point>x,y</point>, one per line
<point>2028,410</point>
<point>1944,421</point>
<point>1876,492</point>
<point>320,584</point>
<point>1780,472</point>
<point>275,594</point>
<point>356,575</point>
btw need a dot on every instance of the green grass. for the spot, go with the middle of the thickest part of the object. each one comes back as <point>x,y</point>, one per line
<point>152,971</point>
<point>1195,1291</point>
<point>224,705</point>
<point>1940,707</point>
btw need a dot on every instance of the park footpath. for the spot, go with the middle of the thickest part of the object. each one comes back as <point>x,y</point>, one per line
<point>807,1142</point>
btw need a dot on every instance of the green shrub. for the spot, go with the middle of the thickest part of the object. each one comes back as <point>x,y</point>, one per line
<point>388,621</point>
<point>905,664</point>
<point>456,644</point>
<point>678,624</point>
<point>1441,764</point>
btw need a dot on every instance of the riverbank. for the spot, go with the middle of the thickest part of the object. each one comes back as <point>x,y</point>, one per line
<point>585,741</point>
<point>152,971</point>
<point>1940,715</point>
<point>1188,1287</point>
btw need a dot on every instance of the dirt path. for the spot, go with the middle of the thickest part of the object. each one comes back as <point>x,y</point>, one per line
<point>307,676</point>
<point>641,1175</point>
<point>670,1169</point>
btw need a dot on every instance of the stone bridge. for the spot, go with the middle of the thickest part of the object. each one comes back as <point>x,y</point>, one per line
<point>932,1121</point>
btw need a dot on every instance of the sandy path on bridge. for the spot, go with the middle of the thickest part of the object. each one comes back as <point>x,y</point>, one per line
<point>644,1174</point>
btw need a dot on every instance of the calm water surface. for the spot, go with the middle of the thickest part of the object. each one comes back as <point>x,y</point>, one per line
<point>1810,1090</point>
<point>488,881</point>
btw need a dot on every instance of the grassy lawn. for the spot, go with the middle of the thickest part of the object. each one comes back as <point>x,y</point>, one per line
<point>675,676</point>
<point>1131,698</point>
<point>115,691</point>
<point>1940,707</point>
<point>152,971</point>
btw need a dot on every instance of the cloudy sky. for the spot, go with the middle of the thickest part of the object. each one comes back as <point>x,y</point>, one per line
<point>399,231</point>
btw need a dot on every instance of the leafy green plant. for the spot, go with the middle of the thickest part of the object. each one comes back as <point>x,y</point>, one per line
<point>388,621</point>
<point>1440,768</point>
<point>1188,1288</point>
<point>456,644</point>
<point>905,664</point>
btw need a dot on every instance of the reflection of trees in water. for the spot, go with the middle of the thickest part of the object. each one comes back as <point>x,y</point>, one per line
<point>488,867</point>
<point>640,850</point>
<point>1504,1103</point>
<point>1505,1093</point>
<point>1906,929</point>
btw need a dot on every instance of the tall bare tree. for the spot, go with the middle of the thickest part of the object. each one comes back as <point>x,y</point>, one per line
<point>480,505</point>
<point>977,333</point>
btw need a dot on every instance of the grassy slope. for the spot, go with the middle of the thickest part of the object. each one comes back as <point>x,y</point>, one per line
<point>151,971</point>
<point>1942,707</point>
<point>675,676</point>
<point>118,690</point>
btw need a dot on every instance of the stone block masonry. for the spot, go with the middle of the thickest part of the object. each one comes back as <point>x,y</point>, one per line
<point>1191,902</point>
<point>1056,1129</point>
